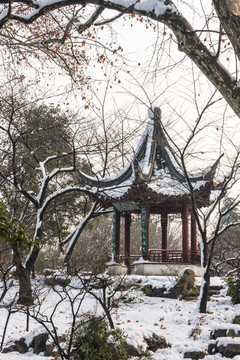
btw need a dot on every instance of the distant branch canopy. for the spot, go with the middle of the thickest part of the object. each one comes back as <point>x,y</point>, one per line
<point>163,11</point>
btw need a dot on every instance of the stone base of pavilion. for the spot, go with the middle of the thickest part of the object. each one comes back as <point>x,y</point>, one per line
<point>114,268</point>
<point>148,268</point>
<point>163,269</point>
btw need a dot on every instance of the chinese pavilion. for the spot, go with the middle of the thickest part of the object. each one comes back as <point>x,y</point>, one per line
<point>153,182</point>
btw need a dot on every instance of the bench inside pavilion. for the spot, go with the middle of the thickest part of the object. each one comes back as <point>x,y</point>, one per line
<point>153,182</point>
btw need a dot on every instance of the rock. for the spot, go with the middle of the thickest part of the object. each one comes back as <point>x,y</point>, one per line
<point>236,320</point>
<point>228,347</point>
<point>156,342</point>
<point>229,350</point>
<point>18,345</point>
<point>39,343</point>
<point>47,272</point>
<point>194,354</point>
<point>188,278</point>
<point>53,278</point>
<point>157,292</point>
<point>212,347</point>
<point>152,343</point>
<point>183,289</point>
<point>225,330</point>
<point>215,290</point>
<point>225,340</point>
<point>50,350</point>
<point>184,284</point>
<point>216,287</point>
<point>133,350</point>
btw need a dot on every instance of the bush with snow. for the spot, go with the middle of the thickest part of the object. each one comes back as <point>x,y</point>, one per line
<point>233,282</point>
<point>94,340</point>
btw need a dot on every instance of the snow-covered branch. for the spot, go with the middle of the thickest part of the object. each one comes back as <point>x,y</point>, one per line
<point>46,178</point>
<point>76,233</point>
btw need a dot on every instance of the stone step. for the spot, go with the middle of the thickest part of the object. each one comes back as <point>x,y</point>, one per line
<point>226,346</point>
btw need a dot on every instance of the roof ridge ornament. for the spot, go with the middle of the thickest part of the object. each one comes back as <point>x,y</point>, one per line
<point>155,113</point>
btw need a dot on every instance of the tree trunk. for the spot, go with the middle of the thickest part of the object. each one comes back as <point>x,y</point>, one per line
<point>78,231</point>
<point>206,276</point>
<point>24,277</point>
<point>204,292</point>
<point>25,289</point>
<point>228,12</point>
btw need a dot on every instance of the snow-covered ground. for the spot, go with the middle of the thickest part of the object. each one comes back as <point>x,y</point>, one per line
<point>138,317</point>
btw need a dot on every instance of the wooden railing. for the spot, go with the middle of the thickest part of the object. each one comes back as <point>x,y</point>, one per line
<point>132,258</point>
<point>170,256</point>
<point>165,256</point>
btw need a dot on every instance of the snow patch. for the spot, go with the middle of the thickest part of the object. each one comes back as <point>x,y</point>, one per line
<point>158,6</point>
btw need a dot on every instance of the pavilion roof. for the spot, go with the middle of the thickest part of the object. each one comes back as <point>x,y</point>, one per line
<point>153,173</point>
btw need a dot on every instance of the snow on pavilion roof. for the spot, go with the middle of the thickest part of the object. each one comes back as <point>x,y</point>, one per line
<point>153,172</point>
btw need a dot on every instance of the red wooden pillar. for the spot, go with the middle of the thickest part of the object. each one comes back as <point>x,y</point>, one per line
<point>148,222</point>
<point>185,233</point>
<point>118,225</point>
<point>116,234</point>
<point>145,215</point>
<point>164,223</point>
<point>127,241</point>
<point>193,238</point>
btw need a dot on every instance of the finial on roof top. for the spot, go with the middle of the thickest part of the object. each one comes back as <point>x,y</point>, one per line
<point>154,113</point>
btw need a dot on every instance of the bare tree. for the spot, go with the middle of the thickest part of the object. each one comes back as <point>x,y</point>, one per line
<point>209,220</point>
<point>226,256</point>
<point>35,196</point>
<point>37,176</point>
<point>106,291</point>
<point>212,46</point>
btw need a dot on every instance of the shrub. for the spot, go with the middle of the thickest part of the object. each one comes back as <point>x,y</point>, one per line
<point>94,340</point>
<point>195,332</point>
<point>233,282</point>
